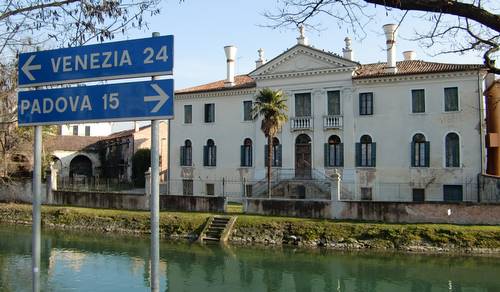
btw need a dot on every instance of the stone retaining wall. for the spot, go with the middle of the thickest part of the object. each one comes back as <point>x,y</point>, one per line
<point>101,200</point>
<point>416,212</point>
<point>193,203</point>
<point>288,207</point>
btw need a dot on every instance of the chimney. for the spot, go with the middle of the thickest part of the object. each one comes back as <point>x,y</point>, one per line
<point>231,58</point>
<point>390,35</point>
<point>302,39</point>
<point>348,54</point>
<point>261,61</point>
<point>409,55</point>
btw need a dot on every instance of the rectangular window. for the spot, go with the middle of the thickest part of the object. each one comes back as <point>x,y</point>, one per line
<point>210,189</point>
<point>209,112</point>
<point>366,103</point>
<point>303,105</point>
<point>418,101</point>
<point>75,130</point>
<point>418,195</point>
<point>187,187</point>
<point>451,99</point>
<point>366,194</point>
<point>452,193</point>
<point>333,103</point>
<point>247,110</point>
<point>87,130</point>
<point>188,114</point>
<point>248,190</point>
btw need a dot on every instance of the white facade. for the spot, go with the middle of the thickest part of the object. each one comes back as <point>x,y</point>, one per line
<point>88,129</point>
<point>392,126</point>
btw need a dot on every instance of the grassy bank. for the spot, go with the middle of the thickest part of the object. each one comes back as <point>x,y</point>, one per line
<point>272,230</point>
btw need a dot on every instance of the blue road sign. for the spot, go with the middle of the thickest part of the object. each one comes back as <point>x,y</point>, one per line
<point>113,102</point>
<point>125,59</point>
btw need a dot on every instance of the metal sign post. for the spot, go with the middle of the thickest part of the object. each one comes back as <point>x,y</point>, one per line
<point>36,219</point>
<point>155,201</point>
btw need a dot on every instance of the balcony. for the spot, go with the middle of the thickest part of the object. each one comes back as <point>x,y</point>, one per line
<point>301,123</point>
<point>332,122</point>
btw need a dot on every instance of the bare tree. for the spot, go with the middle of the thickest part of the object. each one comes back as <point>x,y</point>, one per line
<point>460,26</point>
<point>25,24</point>
<point>69,22</point>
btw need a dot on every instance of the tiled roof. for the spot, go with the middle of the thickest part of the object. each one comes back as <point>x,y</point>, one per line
<point>241,82</point>
<point>71,143</point>
<point>363,71</point>
<point>411,67</point>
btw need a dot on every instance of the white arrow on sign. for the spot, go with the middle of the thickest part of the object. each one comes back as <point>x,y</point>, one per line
<point>27,67</point>
<point>162,98</point>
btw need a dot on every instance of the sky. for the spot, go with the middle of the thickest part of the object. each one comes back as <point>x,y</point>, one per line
<point>202,28</point>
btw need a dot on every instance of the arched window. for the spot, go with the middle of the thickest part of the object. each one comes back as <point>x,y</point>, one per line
<point>420,150</point>
<point>452,149</point>
<point>334,152</point>
<point>246,153</point>
<point>187,154</point>
<point>276,159</point>
<point>366,152</point>
<point>210,153</point>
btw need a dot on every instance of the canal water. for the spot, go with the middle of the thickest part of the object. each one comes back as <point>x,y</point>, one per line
<point>95,262</point>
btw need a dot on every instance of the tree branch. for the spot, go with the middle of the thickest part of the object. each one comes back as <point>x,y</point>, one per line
<point>470,11</point>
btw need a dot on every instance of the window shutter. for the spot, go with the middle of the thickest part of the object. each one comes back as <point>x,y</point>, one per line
<point>427,153</point>
<point>250,149</point>
<point>358,154</point>
<point>360,104</point>
<point>341,155</point>
<point>242,155</point>
<point>327,155</point>
<point>278,155</point>
<point>214,163</point>
<point>205,155</point>
<point>266,153</point>
<point>183,155</point>
<point>374,154</point>
<point>370,108</point>
<point>412,155</point>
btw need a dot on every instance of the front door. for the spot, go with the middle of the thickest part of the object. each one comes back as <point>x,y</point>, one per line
<point>303,164</point>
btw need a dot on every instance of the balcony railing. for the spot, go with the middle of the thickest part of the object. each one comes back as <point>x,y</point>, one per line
<point>301,123</point>
<point>332,122</point>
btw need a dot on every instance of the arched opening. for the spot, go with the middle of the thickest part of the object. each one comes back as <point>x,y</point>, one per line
<point>246,153</point>
<point>80,166</point>
<point>334,152</point>
<point>303,165</point>
<point>56,164</point>
<point>419,151</point>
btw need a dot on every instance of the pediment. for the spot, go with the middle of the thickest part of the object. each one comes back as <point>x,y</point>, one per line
<point>303,59</point>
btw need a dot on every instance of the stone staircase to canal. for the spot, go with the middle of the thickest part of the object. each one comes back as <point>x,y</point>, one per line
<point>217,229</point>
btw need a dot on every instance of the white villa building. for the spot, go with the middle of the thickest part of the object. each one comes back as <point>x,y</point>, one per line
<point>394,131</point>
<point>88,129</point>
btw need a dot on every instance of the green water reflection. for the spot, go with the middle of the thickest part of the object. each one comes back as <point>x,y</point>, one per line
<point>89,262</point>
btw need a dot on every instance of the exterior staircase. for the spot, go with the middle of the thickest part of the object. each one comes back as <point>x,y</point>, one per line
<point>285,184</point>
<point>217,229</point>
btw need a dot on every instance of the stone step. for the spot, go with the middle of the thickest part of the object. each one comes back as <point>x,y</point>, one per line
<point>210,239</point>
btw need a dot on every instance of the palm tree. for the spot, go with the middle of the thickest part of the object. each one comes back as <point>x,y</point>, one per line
<point>271,106</point>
